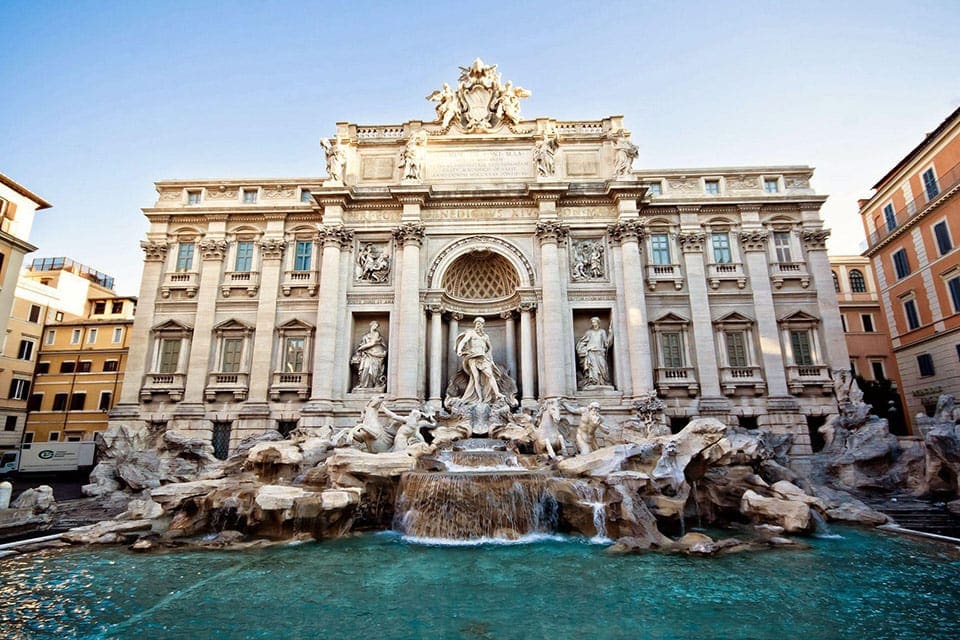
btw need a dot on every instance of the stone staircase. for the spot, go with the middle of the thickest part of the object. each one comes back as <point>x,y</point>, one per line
<point>921,515</point>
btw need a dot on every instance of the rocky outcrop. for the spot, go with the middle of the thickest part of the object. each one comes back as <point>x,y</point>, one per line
<point>38,500</point>
<point>792,515</point>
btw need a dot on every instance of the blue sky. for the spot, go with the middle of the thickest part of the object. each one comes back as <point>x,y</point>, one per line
<point>102,99</point>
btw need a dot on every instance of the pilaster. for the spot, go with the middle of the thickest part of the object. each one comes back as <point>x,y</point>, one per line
<point>551,233</point>
<point>409,236</point>
<point>212,252</point>
<point>628,234</point>
<point>154,258</point>
<point>834,340</point>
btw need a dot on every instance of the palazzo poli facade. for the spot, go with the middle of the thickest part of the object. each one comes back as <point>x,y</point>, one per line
<point>273,303</point>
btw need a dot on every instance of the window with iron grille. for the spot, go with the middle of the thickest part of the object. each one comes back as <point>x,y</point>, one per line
<point>221,439</point>
<point>857,282</point>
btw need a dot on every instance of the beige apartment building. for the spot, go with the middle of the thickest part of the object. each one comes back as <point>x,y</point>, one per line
<point>272,302</point>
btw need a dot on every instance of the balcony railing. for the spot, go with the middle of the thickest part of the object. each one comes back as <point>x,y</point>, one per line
<point>946,183</point>
<point>800,376</point>
<point>246,280</point>
<point>717,272</point>
<point>232,382</point>
<point>187,281</point>
<point>664,273</point>
<point>290,382</point>
<point>172,384</point>
<point>677,377</point>
<point>299,279</point>
<point>733,378</point>
<point>780,272</point>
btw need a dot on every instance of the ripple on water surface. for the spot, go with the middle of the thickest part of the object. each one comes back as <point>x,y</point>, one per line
<point>862,585</point>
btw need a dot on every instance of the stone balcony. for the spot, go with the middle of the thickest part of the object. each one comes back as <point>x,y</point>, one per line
<point>718,272</point>
<point>186,281</point>
<point>677,379</point>
<point>657,273</point>
<point>248,281</point>
<point>809,377</point>
<point>236,383</point>
<point>290,382</point>
<point>172,384</point>
<point>299,280</point>
<point>743,379</point>
<point>780,272</point>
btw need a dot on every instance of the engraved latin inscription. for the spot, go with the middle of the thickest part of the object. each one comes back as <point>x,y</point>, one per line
<point>378,167</point>
<point>508,163</point>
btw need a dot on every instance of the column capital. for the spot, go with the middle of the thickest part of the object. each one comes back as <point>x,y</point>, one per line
<point>507,315</point>
<point>456,315</point>
<point>527,306</point>
<point>272,248</point>
<point>155,251</point>
<point>691,241</point>
<point>435,308</point>
<point>335,235</point>
<point>409,233</point>
<point>212,249</point>
<point>754,240</point>
<point>551,231</point>
<point>626,231</point>
<point>815,239</point>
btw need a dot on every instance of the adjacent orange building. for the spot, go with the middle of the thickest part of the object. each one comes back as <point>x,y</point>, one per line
<point>912,223</point>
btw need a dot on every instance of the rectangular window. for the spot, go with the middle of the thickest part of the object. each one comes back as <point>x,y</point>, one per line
<point>68,366</point>
<point>900,263</point>
<point>306,196</point>
<point>117,335</point>
<point>27,437</point>
<point>193,197</point>
<point>232,352</point>
<point>10,424</point>
<point>913,318</point>
<point>655,189</point>
<point>843,322</point>
<point>185,256</point>
<point>890,217</point>
<point>77,401</point>
<point>53,436</point>
<point>111,365</point>
<point>878,372</point>
<point>34,313</point>
<point>92,336</point>
<point>25,352</point>
<point>75,336</point>
<point>43,367</point>
<point>35,402</point>
<point>302,253</point>
<point>60,402</point>
<point>866,320</point>
<point>802,352</point>
<point>771,185</point>
<point>930,185</point>
<point>672,347</point>
<point>19,389</point>
<point>99,308</point>
<point>953,286</point>
<point>249,196</point>
<point>51,336</point>
<point>117,307</point>
<point>244,256</point>
<point>58,316</point>
<point>781,242</point>
<point>84,366</point>
<point>943,237</point>
<point>660,248</point>
<point>106,400</point>
<point>169,355</point>
<point>721,248</point>
<point>293,355</point>
<point>737,349</point>
<point>925,364</point>
<point>712,187</point>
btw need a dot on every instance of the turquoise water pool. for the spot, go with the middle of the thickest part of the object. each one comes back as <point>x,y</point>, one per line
<point>862,585</point>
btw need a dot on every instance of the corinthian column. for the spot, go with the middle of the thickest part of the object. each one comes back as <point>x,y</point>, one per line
<point>410,237</point>
<point>526,353</point>
<point>628,234</point>
<point>156,254</point>
<point>551,233</point>
<point>212,252</point>
<point>333,238</point>
<point>436,352</point>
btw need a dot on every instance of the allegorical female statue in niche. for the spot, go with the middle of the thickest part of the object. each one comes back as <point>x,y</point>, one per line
<point>370,356</point>
<point>592,350</point>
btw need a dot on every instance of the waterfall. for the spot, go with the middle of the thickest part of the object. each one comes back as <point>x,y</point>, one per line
<point>591,495</point>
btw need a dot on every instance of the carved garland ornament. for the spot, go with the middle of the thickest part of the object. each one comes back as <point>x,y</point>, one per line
<point>815,239</point>
<point>754,240</point>
<point>155,251</point>
<point>691,241</point>
<point>272,249</point>
<point>212,249</point>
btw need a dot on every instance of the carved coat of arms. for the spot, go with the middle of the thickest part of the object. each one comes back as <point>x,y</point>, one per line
<point>480,103</point>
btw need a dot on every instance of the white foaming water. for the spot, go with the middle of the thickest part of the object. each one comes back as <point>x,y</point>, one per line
<point>529,538</point>
<point>459,468</point>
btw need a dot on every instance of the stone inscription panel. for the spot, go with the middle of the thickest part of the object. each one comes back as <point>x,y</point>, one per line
<point>482,164</point>
<point>378,167</point>
<point>582,164</point>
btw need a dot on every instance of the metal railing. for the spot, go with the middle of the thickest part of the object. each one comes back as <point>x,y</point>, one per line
<point>917,206</point>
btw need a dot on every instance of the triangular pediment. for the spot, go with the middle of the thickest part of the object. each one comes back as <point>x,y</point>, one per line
<point>734,317</point>
<point>296,323</point>
<point>173,325</point>
<point>671,318</point>
<point>799,316</point>
<point>233,325</point>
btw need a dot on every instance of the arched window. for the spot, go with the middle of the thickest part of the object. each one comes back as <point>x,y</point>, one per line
<point>836,282</point>
<point>857,283</point>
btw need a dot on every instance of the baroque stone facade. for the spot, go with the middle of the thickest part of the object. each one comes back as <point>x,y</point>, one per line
<point>710,287</point>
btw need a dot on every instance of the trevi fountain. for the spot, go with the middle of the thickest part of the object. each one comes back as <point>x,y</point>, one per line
<point>611,471</point>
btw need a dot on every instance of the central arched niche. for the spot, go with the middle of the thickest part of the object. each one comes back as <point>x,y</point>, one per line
<point>480,275</point>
